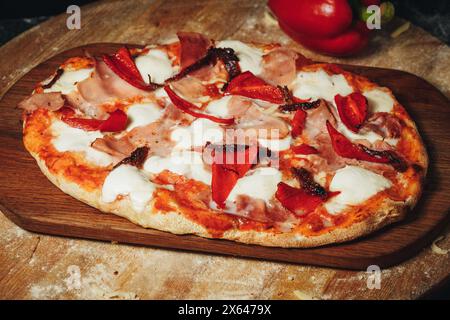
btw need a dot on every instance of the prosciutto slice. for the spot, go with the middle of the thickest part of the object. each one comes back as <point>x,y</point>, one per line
<point>384,124</point>
<point>248,116</point>
<point>155,136</point>
<point>279,67</point>
<point>50,100</point>
<point>104,86</point>
<point>194,46</point>
<point>118,148</point>
<point>190,88</point>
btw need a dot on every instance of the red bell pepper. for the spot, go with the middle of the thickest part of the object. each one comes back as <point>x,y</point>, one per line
<point>345,148</point>
<point>351,41</point>
<point>122,64</point>
<point>189,108</point>
<point>352,110</point>
<point>304,149</point>
<point>304,200</point>
<point>297,200</point>
<point>329,26</point>
<point>314,18</point>
<point>117,121</point>
<point>248,85</point>
<point>226,169</point>
<point>298,123</point>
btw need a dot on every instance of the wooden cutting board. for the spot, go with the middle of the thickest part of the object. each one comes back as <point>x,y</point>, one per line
<point>33,203</point>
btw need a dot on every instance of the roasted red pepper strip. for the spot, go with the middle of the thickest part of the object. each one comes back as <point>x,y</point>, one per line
<point>304,149</point>
<point>227,167</point>
<point>297,200</point>
<point>189,108</point>
<point>298,123</point>
<point>345,148</point>
<point>305,200</point>
<point>66,112</point>
<point>116,122</point>
<point>122,64</point>
<point>248,85</point>
<point>352,110</point>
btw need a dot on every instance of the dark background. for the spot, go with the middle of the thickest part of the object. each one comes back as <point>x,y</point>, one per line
<point>432,15</point>
<point>18,16</point>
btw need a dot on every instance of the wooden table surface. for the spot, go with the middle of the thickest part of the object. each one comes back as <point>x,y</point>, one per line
<point>34,266</point>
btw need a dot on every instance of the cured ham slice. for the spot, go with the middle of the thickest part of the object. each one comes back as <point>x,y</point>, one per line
<point>190,88</point>
<point>279,66</point>
<point>384,124</point>
<point>51,101</point>
<point>155,136</point>
<point>118,148</point>
<point>104,86</point>
<point>316,119</point>
<point>194,46</point>
<point>248,116</point>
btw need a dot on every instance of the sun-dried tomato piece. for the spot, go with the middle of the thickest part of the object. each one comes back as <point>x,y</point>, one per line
<point>122,64</point>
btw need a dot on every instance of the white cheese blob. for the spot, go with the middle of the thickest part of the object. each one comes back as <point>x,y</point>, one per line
<point>155,63</point>
<point>370,136</point>
<point>198,133</point>
<point>250,58</point>
<point>71,139</point>
<point>160,93</point>
<point>276,144</point>
<point>141,114</point>
<point>379,101</point>
<point>319,84</point>
<point>186,163</point>
<point>219,107</point>
<point>355,185</point>
<point>127,180</point>
<point>176,163</point>
<point>260,183</point>
<point>69,79</point>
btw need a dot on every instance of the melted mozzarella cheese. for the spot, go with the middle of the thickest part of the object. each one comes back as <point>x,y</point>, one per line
<point>68,80</point>
<point>250,58</point>
<point>176,163</point>
<point>260,183</point>
<point>127,180</point>
<point>186,163</point>
<point>71,139</point>
<point>369,136</point>
<point>141,114</point>
<point>355,185</point>
<point>379,101</point>
<point>219,107</point>
<point>155,64</point>
<point>276,144</point>
<point>198,133</point>
<point>319,84</point>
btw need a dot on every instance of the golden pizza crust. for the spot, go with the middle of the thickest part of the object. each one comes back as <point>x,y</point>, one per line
<point>177,223</point>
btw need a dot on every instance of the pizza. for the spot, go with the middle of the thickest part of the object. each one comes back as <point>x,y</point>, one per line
<point>248,142</point>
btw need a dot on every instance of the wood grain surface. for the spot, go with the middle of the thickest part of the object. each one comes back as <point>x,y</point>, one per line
<point>59,214</point>
<point>37,266</point>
